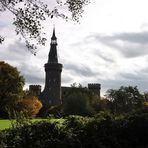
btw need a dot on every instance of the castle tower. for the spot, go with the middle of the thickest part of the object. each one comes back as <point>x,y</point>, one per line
<point>95,89</point>
<point>51,94</point>
<point>35,90</point>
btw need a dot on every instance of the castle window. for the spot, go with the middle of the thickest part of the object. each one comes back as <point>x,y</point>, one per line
<point>53,41</point>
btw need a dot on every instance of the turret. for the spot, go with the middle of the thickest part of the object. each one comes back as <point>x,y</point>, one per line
<point>51,94</point>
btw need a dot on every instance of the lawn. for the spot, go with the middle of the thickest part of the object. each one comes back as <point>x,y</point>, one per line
<point>4,124</point>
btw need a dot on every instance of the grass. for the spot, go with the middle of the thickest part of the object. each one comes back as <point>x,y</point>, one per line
<point>4,124</point>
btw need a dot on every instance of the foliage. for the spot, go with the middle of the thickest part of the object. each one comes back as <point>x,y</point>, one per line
<point>43,134</point>
<point>56,111</point>
<point>11,87</point>
<point>104,130</point>
<point>101,104</point>
<point>75,121</point>
<point>125,99</point>
<point>29,105</point>
<point>77,103</point>
<point>145,95</point>
<point>29,14</point>
<point>19,119</point>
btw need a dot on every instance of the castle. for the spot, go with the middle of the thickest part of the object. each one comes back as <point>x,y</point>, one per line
<point>53,92</point>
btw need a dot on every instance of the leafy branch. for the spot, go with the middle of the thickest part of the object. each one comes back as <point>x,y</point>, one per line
<point>29,15</point>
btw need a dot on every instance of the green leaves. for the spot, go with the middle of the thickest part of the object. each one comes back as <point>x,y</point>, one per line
<point>101,131</point>
<point>125,99</point>
<point>77,103</point>
<point>76,8</point>
<point>29,15</point>
<point>11,86</point>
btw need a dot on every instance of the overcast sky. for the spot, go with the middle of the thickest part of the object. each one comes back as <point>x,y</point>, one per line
<point>109,46</point>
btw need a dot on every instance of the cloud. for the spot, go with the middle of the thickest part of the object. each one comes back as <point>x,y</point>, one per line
<point>142,84</point>
<point>130,45</point>
<point>80,69</point>
<point>67,79</point>
<point>14,52</point>
<point>18,55</point>
<point>107,57</point>
<point>3,24</point>
<point>33,79</point>
<point>135,37</point>
<point>32,73</point>
<point>131,76</point>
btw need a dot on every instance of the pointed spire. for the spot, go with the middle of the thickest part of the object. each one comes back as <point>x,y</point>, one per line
<point>53,34</point>
<point>53,50</point>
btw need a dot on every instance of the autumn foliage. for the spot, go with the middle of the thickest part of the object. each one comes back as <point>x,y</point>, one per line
<point>30,105</point>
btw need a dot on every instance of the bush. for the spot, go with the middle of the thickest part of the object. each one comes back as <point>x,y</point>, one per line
<point>29,105</point>
<point>101,131</point>
<point>39,135</point>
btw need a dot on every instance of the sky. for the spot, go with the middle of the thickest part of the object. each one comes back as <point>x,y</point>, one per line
<point>109,46</point>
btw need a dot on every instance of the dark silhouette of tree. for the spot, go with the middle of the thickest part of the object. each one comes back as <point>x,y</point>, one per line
<point>77,101</point>
<point>125,99</point>
<point>101,104</point>
<point>145,96</point>
<point>11,87</point>
<point>29,14</point>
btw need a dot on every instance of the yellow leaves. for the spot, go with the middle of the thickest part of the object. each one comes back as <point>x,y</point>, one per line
<point>145,104</point>
<point>31,105</point>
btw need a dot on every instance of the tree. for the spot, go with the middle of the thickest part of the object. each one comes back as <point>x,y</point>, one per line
<point>101,104</point>
<point>145,95</point>
<point>29,14</point>
<point>77,101</point>
<point>77,104</point>
<point>11,87</point>
<point>29,105</point>
<point>78,88</point>
<point>125,99</point>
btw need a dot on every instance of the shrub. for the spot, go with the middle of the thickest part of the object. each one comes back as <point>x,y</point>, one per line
<point>39,135</point>
<point>29,105</point>
<point>101,131</point>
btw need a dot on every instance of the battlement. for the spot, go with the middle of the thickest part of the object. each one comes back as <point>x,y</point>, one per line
<point>94,86</point>
<point>95,89</point>
<point>35,90</point>
<point>34,87</point>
